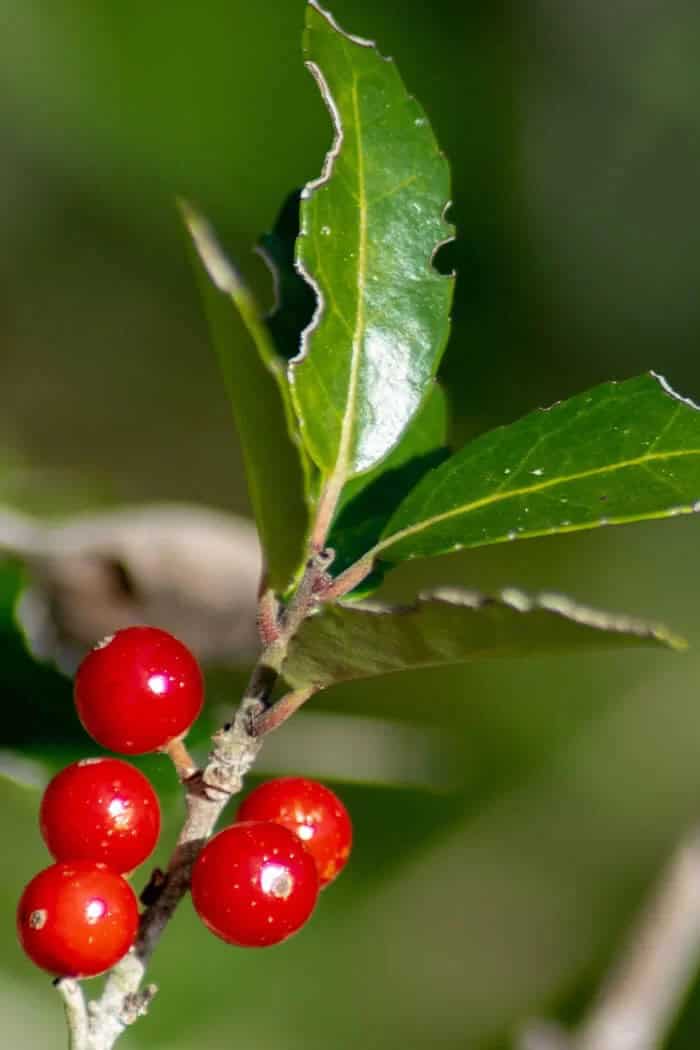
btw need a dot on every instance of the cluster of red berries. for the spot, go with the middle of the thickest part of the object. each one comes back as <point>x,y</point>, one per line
<point>254,883</point>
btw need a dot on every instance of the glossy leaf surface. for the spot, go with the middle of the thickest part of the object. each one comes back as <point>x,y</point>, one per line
<point>276,466</point>
<point>622,452</point>
<point>370,226</point>
<point>369,500</point>
<point>451,626</point>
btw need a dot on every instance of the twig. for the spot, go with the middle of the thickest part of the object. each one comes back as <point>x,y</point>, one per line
<point>184,764</point>
<point>543,1035</point>
<point>76,1012</point>
<point>327,506</point>
<point>268,617</point>
<point>273,717</point>
<point>641,997</point>
<point>349,579</point>
<point>99,1025</point>
<point>206,794</point>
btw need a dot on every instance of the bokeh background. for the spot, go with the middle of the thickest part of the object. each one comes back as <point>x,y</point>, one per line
<point>510,818</point>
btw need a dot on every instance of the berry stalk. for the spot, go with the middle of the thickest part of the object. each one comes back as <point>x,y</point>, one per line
<point>98,1025</point>
<point>76,1013</point>
<point>206,793</point>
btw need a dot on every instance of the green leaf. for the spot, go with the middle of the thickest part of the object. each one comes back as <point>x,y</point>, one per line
<point>619,453</point>
<point>38,710</point>
<point>295,301</point>
<point>279,475</point>
<point>451,626</point>
<point>369,500</point>
<point>370,227</point>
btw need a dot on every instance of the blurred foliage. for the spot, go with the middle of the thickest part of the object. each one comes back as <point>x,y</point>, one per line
<point>572,135</point>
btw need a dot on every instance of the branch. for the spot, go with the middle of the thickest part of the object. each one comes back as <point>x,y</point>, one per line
<point>99,1025</point>
<point>181,759</point>
<point>76,1012</point>
<point>644,991</point>
<point>266,720</point>
<point>206,794</point>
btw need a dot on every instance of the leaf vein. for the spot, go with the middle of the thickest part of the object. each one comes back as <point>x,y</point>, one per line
<point>669,423</point>
<point>350,407</point>
<point>392,190</point>
<point>498,497</point>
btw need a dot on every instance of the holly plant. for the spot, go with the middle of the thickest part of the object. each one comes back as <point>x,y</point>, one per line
<point>343,426</point>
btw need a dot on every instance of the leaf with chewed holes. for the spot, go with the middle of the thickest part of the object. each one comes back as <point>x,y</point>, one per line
<point>295,301</point>
<point>370,226</point>
<point>451,626</point>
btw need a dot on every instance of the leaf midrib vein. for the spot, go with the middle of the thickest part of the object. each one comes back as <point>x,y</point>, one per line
<point>500,497</point>
<point>343,458</point>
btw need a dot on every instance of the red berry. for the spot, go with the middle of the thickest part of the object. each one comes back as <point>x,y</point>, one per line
<point>313,812</point>
<point>77,918</point>
<point>138,690</point>
<point>254,884</point>
<point>100,809</point>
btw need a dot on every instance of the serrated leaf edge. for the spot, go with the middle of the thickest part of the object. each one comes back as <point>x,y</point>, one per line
<point>519,601</point>
<point>340,468</point>
<point>338,476</point>
<point>540,486</point>
<point>321,180</point>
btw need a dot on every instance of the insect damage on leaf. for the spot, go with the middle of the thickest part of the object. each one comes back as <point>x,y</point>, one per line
<point>370,227</point>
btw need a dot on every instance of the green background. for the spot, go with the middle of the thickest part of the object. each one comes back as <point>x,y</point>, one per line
<point>509,818</point>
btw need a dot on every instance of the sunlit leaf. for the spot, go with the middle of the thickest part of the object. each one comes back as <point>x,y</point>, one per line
<point>370,227</point>
<point>622,452</point>
<point>369,500</point>
<point>367,639</point>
